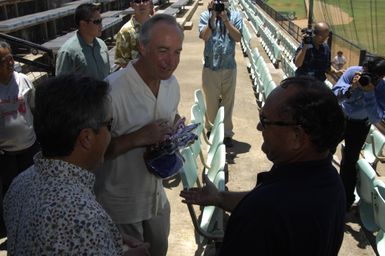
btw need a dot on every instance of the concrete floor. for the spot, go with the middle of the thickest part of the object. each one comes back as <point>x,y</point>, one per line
<point>245,159</point>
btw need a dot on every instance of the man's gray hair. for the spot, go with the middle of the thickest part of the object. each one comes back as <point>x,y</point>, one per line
<point>146,31</point>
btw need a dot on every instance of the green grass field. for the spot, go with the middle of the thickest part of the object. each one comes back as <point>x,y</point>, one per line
<point>367,29</point>
<point>289,5</point>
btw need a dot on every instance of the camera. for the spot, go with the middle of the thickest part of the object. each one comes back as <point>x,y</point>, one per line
<point>366,78</point>
<point>219,6</point>
<point>308,38</point>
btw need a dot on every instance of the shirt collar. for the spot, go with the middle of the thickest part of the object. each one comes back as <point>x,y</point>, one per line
<point>293,170</point>
<point>63,169</point>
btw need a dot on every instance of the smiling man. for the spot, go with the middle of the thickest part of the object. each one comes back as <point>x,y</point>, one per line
<point>85,53</point>
<point>296,208</point>
<point>145,97</point>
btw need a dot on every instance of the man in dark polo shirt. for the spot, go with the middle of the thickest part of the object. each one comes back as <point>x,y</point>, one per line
<point>298,207</point>
<point>312,57</point>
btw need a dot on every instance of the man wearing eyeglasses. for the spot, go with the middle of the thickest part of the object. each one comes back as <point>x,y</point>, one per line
<point>127,37</point>
<point>298,207</point>
<point>85,53</point>
<point>50,209</point>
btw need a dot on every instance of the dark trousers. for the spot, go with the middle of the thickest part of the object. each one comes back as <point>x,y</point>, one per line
<point>355,135</point>
<point>12,164</point>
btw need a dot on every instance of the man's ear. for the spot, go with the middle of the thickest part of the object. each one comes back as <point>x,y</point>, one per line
<point>86,139</point>
<point>142,49</point>
<point>299,137</point>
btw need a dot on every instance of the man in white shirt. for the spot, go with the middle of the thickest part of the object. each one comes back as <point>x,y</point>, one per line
<point>145,97</point>
<point>339,61</point>
<point>17,138</point>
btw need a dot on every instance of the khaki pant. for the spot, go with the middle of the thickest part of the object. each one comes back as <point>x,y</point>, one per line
<point>154,231</point>
<point>219,89</point>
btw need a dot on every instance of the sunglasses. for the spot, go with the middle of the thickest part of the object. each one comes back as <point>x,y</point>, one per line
<point>107,124</point>
<point>96,22</point>
<point>265,122</point>
<point>141,1</point>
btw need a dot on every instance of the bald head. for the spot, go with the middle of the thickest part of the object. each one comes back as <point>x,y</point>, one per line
<point>321,32</point>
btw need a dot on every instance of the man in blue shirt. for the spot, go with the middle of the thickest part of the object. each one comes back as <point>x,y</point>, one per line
<point>220,28</point>
<point>313,58</point>
<point>361,92</point>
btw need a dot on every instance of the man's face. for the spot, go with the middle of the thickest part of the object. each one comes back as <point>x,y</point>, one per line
<point>102,140</point>
<point>142,7</point>
<point>276,129</point>
<point>6,64</point>
<point>320,35</point>
<point>162,53</point>
<point>93,26</point>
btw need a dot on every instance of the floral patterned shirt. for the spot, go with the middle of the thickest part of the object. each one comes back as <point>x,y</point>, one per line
<point>50,209</point>
<point>127,42</point>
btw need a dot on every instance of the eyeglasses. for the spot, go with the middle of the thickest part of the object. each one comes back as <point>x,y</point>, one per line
<point>264,122</point>
<point>107,124</point>
<point>96,22</point>
<point>141,1</point>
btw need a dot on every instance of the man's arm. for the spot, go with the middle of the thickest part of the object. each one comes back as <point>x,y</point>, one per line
<point>152,133</point>
<point>210,195</point>
<point>300,56</point>
<point>234,29</point>
<point>64,63</point>
<point>206,22</point>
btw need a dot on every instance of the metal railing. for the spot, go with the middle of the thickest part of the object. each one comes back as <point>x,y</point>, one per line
<point>22,48</point>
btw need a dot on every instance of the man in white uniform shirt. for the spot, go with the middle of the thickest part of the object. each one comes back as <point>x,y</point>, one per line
<point>145,97</point>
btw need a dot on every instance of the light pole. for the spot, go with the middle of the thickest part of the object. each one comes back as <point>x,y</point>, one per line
<point>310,16</point>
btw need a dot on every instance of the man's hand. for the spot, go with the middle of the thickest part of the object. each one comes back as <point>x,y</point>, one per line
<point>208,195</point>
<point>155,132</point>
<point>135,247</point>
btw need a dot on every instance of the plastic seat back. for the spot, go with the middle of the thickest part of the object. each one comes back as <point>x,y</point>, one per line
<point>379,214</point>
<point>365,178</point>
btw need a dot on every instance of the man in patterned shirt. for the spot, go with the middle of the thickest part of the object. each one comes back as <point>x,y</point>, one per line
<point>50,209</point>
<point>127,37</point>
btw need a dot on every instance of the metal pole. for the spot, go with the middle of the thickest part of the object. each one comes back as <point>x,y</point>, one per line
<point>310,17</point>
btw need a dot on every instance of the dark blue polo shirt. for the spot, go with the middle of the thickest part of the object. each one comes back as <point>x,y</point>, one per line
<point>316,62</point>
<point>295,209</point>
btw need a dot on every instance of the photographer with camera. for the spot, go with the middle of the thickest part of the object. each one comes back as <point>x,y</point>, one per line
<point>361,92</point>
<point>220,28</point>
<point>313,57</point>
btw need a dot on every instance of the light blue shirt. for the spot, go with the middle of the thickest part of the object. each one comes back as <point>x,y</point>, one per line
<point>219,50</point>
<point>357,103</point>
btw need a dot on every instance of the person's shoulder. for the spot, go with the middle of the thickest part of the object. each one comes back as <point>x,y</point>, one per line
<point>71,45</point>
<point>21,182</point>
<point>22,76</point>
<point>101,43</point>
<point>205,14</point>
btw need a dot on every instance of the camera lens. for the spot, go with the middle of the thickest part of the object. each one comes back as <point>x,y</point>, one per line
<point>364,79</point>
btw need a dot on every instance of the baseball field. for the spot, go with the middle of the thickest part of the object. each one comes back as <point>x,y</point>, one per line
<point>359,21</point>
